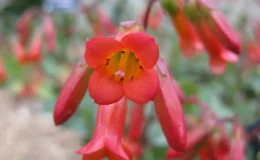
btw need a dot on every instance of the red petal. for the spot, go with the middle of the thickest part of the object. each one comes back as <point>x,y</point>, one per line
<point>144,47</point>
<point>72,93</point>
<point>102,88</point>
<point>143,88</point>
<point>99,48</point>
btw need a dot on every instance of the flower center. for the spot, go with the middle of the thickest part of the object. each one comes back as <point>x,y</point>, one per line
<point>123,65</point>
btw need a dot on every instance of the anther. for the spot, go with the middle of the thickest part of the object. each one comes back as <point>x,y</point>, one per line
<point>107,59</point>
<point>132,78</point>
<point>137,59</point>
<point>107,63</point>
<point>122,52</point>
<point>141,67</point>
<point>121,79</point>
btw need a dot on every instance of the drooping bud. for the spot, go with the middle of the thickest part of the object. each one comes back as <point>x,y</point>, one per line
<point>72,93</point>
<point>107,139</point>
<point>169,109</point>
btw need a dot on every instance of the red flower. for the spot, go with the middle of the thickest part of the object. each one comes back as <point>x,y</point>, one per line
<point>107,139</point>
<point>224,31</point>
<point>72,93</point>
<point>35,51</point>
<point>218,54</point>
<point>49,29</point>
<point>189,40</point>
<point>169,110</point>
<point>123,67</point>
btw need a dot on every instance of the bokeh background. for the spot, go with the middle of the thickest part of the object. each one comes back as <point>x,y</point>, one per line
<point>29,93</point>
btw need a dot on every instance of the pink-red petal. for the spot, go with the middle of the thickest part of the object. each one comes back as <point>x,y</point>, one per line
<point>144,47</point>
<point>99,48</point>
<point>102,88</point>
<point>143,88</point>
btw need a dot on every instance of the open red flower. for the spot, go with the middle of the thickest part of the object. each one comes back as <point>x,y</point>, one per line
<point>123,67</point>
<point>108,134</point>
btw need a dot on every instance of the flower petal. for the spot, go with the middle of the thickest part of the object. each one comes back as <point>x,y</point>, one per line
<point>99,48</point>
<point>143,88</point>
<point>144,47</point>
<point>102,88</point>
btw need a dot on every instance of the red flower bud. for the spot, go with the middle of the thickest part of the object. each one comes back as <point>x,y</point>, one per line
<point>49,29</point>
<point>72,93</point>
<point>107,139</point>
<point>169,110</point>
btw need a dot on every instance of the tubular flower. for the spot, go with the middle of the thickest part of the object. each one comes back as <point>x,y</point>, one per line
<point>36,49</point>
<point>224,31</point>
<point>169,110</point>
<point>218,54</point>
<point>72,93</point>
<point>123,67</point>
<point>107,139</point>
<point>49,29</point>
<point>188,39</point>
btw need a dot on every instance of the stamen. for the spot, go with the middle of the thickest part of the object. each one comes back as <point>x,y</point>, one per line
<point>137,59</point>
<point>122,52</point>
<point>107,62</point>
<point>121,79</point>
<point>132,78</point>
<point>141,67</point>
<point>107,59</point>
